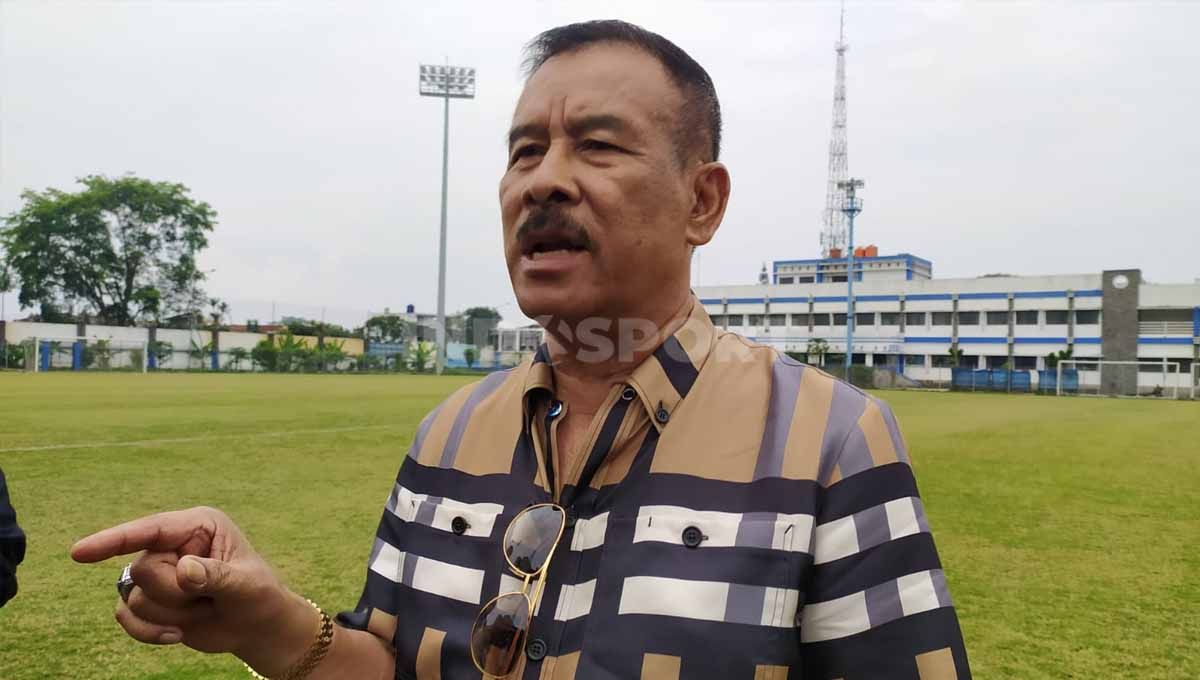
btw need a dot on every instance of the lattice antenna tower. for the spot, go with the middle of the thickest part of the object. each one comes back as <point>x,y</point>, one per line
<point>833,229</point>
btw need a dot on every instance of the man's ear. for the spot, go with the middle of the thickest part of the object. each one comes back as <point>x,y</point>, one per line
<point>710,195</point>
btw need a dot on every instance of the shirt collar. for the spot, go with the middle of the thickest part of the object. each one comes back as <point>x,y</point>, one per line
<point>662,380</point>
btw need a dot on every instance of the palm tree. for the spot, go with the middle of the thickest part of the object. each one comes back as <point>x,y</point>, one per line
<point>237,355</point>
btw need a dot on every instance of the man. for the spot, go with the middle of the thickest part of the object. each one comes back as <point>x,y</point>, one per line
<point>729,513</point>
<point>12,545</point>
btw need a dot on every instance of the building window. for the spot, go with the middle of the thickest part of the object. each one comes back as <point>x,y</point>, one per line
<point>1056,317</point>
<point>1087,317</point>
<point>968,318</point>
<point>804,279</point>
<point>820,320</point>
<point>864,318</point>
<point>914,360</point>
<point>997,362</point>
<point>735,319</point>
<point>800,320</point>
<point>1027,317</point>
<point>941,360</point>
<point>997,318</point>
<point>914,318</point>
<point>777,320</point>
<point>838,278</point>
<point>839,319</point>
<point>889,318</point>
<point>943,318</point>
<point>1025,363</point>
<point>718,320</point>
<point>785,280</point>
<point>756,320</point>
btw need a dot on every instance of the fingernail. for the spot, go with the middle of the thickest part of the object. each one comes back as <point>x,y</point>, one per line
<point>195,572</point>
<point>170,637</point>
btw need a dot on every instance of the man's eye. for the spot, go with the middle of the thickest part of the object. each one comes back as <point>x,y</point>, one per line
<point>597,145</point>
<point>525,152</point>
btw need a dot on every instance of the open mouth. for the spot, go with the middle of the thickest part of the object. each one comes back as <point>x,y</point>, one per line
<point>552,242</point>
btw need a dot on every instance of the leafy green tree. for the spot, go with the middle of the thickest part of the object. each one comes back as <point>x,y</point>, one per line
<point>390,328</point>
<point>816,350</point>
<point>316,328</point>
<point>200,352</point>
<point>955,355</point>
<point>478,323</point>
<point>237,355</point>
<point>121,249</point>
<point>162,351</point>
<point>265,355</point>
<point>419,355</point>
<point>470,354</point>
<point>332,354</point>
<point>1053,358</point>
<point>294,355</point>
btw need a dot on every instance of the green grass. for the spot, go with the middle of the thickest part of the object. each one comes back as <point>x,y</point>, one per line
<point>1069,528</point>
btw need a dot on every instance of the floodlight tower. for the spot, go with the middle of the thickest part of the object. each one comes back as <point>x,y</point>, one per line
<point>833,230</point>
<point>851,207</point>
<point>447,82</point>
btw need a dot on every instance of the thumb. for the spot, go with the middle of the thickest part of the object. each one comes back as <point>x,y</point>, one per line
<point>201,575</point>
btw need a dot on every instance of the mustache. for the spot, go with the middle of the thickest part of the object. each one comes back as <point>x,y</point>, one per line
<point>554,218</point>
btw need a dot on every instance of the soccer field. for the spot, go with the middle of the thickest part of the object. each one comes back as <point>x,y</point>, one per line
<point>1069,528</point>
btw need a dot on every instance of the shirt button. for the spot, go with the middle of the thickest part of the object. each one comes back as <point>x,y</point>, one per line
<point>628,394</point>
<point>692,537</point>
<point>459,525</point>
<point>536,649</point>
<point>555,409</point>
<point>661,415</point>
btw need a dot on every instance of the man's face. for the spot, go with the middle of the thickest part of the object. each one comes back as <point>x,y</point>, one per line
<point>595,200</point>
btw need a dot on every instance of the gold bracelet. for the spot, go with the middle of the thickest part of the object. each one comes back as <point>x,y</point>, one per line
<point>317,652</point>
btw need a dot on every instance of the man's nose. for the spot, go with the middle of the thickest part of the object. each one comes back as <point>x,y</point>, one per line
<point>553,180</point>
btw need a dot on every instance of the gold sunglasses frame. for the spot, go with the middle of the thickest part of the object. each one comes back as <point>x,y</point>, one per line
<point>527,578</point>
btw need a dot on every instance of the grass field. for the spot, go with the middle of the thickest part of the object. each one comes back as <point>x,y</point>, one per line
<point>1069,528</point>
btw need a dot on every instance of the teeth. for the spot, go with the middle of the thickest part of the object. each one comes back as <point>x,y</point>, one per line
<point>537,254</point>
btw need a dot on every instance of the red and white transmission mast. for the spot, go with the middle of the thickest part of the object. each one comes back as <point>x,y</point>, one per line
<point>833,229</point>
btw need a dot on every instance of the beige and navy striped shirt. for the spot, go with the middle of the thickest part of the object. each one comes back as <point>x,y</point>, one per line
<point>737,515</point>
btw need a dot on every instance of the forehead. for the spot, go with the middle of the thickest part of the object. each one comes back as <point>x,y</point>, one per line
<point>604,78</point>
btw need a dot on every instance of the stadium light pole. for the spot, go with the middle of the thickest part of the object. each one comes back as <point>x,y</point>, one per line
<point>448,82</point>
<point>852,206</point>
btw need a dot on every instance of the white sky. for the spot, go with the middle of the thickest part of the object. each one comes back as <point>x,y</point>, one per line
<point>1028,138</point>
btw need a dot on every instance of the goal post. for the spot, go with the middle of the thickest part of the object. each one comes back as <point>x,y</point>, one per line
<point>1100,377</point>
<point>1194,386</point>
<point>81,353</point>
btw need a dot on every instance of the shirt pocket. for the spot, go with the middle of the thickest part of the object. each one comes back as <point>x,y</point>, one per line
<point>718,566</point>
<point>472,520</point>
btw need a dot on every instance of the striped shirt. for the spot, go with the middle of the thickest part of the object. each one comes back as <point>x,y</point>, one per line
<point>737,515</point>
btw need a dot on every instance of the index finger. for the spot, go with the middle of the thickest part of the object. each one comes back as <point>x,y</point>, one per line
<point>163,532</point>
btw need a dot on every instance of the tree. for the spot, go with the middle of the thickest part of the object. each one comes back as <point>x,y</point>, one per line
<point>1053,358</point>
<point>419,355</point>
<point>478,323</point>
<point>955,355</point>
<point>236,356</point>
<point>265,355</point>
<point>162,351</point>
<point>217,310</point>
<point>390,328</point>
<point>817,349</point>
<point>470,354</point>
<point>120,250</point>
<point>300,326</point>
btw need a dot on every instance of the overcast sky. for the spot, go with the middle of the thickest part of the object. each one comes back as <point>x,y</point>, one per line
<point>1026,138</point>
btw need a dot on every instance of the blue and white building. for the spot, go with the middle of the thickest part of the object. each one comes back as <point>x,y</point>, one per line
<point>908,321</point>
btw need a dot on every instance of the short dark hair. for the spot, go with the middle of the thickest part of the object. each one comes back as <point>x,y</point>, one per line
<point>699,128</point>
